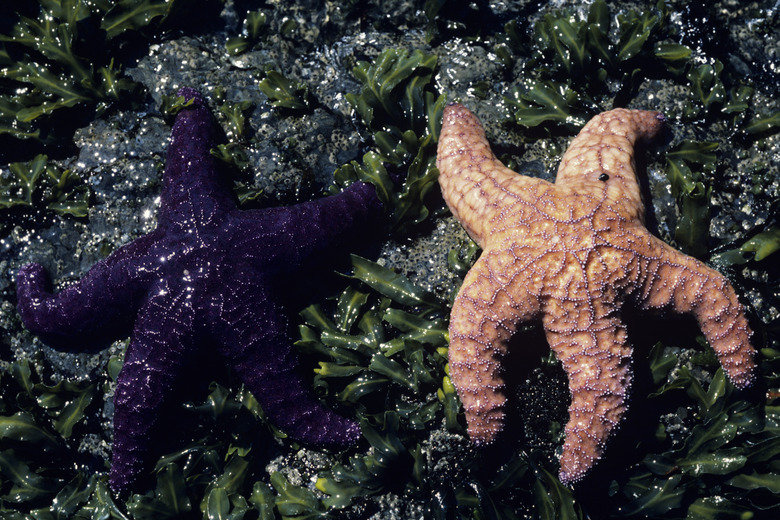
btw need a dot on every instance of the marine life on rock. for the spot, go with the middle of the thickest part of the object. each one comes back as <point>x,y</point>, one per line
<point>570,254</point>
<point>207,275</point>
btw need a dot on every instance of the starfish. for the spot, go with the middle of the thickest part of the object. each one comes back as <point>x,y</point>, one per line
<point>205,277</point>
<point>570,254</point>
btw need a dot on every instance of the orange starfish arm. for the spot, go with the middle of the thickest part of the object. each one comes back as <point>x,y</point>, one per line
<point>490,304</point>
<point>597,361</point>
<point>475,185</point>
<point>604,150</point>
<point>680,283</point>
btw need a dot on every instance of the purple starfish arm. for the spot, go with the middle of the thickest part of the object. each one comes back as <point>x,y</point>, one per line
<point>289,235</point>
<point>194,195</point>
<point>254,343</point>
<point>92,308</point>
<point>159,347</point>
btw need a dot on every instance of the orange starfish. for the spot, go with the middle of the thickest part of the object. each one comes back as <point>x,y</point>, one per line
<point>572,254</point>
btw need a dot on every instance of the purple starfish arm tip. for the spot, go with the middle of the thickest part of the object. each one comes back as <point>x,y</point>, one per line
<point>207,276</point>
<point>189,93</point>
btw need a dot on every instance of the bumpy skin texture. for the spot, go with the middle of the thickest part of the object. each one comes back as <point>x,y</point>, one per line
<point>570,254</point>
<point>206,276</point>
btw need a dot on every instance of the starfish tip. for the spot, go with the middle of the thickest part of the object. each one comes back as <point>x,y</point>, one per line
<point>189,93</point>
<point>569,478</point>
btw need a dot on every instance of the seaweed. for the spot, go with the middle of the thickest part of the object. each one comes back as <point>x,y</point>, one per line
<point>757,248</point>
<point>575,64</point>
<point>707,91</point>
<point>763,124</point>
<point>283,93</point>
<point>235,118</point>
<point>734,442</point>
<point>763,244</point>
<point>41,422</point>
<point>399,107</point>
<point>40,186</point>
<point>253,26</point>
<point>692,192</point>
<point>542,102</point>
<point>396,96</point>
<point>61,60</point>
<point>572,60</point>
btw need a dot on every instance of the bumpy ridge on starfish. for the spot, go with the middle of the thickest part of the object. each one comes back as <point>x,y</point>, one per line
<point>570,254</point>
<point>206,277</point>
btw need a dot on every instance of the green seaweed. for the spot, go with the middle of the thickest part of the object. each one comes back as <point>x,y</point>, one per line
<point>253,26</point>
<point>407,208</point>
<point>542,102</point>
<point>397,105</point>
<point>283,93</point>
<point>692,191</point>
<point>573,58</point>
<point>575,63</point>
<point>62,59</point>
<point>391,97</point>
<point>172,104</point>
<point>762,124</point>
<point>39,185</point>
<point>734,438</point>
<point>40,431</point>
<point>236,120</point>
<point>460,259</point>
<point>707,91</point>
<point>757,248</point>
<point>763,244</point>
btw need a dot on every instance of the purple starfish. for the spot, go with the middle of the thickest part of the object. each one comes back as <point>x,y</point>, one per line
<point>205,276</point>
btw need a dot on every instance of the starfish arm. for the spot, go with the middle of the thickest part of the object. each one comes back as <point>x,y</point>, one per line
<point>597,361</point>
<point>253,337</point>
<point>602,155</point>
<point>92,307</point>
<point>194,194</point>
<point>161,341</point>
<point>474,183</point>
<point>680,283</point>
<point>487,309</point>
<point>286,236</point>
